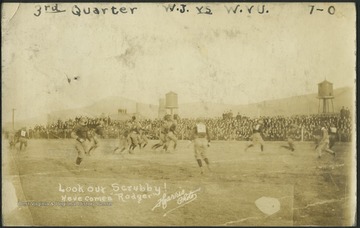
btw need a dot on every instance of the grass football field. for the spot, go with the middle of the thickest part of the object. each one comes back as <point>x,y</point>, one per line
<point>42,186</point>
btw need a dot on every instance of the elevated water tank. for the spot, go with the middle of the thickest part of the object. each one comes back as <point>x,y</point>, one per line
<point>171,100</point>
<point>325,89</point>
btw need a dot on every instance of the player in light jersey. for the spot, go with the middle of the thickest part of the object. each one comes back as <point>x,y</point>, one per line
<point>324,143</point>
<point>201,141</point>
<point>256,136</point>
<point>290,134</point>
<point>22,137</point>
<point>80,133</point>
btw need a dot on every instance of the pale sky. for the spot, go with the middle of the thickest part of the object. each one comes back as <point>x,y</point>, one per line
<point>223,58</point>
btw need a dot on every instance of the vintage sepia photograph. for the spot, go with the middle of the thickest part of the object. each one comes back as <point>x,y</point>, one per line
<point>178,114</point>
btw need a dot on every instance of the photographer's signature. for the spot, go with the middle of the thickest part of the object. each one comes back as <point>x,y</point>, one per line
<point>182,198</point>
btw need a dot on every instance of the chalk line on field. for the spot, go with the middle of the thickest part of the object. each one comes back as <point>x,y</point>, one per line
<point>243,220</point>
<point>48,173</point>
<point>332,179</point>
<point>321,203</point>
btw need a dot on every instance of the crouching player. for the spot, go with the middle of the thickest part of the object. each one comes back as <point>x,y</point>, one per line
<point>80,133</point>
<point>201,141</point>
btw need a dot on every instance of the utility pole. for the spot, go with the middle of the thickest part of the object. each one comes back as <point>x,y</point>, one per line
<point>13,116</point>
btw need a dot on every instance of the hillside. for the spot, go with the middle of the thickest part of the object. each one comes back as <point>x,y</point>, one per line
<point>305,104</point>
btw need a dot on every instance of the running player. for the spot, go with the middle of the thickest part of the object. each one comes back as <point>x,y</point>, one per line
<point>201,140</point>
<point>290,134</point>
<point>134,134</point>
<point>163,130</point>
<point>324,143</point>
<point>171,135</point>
<point>94,135</point>
<point>256,136</point>
<point>143,138</point>
<point>124,140</point>
<point>80,133</point>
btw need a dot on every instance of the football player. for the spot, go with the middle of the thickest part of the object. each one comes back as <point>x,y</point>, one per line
<point>201,141</point>
<point>134,134</point>
<point>80,133</point>
<point>124,140</point>
<point>290,135</point>
<point>22,137</point>
<point>94,135</point>
<point>171,135</point>
<point>324,143</point>
<point>256,137</point>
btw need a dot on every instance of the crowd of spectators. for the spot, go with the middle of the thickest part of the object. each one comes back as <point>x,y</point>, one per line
<point>227,127</point>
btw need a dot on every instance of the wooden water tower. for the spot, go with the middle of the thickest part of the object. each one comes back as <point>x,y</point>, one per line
<point>171,102</point>
<point>326,95</point>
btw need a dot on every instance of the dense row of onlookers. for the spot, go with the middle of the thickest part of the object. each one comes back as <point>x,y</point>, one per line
<point>226,127</point>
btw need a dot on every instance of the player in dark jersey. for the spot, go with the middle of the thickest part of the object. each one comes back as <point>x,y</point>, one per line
<point>162,136</point>
<point>124,140</point>
<point>143,140</point>
<point>94,134</point>
<point>80,133</point>
<point>256,136</point>
<point>201,140</point>
<point>332,136</point>
<point>134,134</point>
<point>171,135</point>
